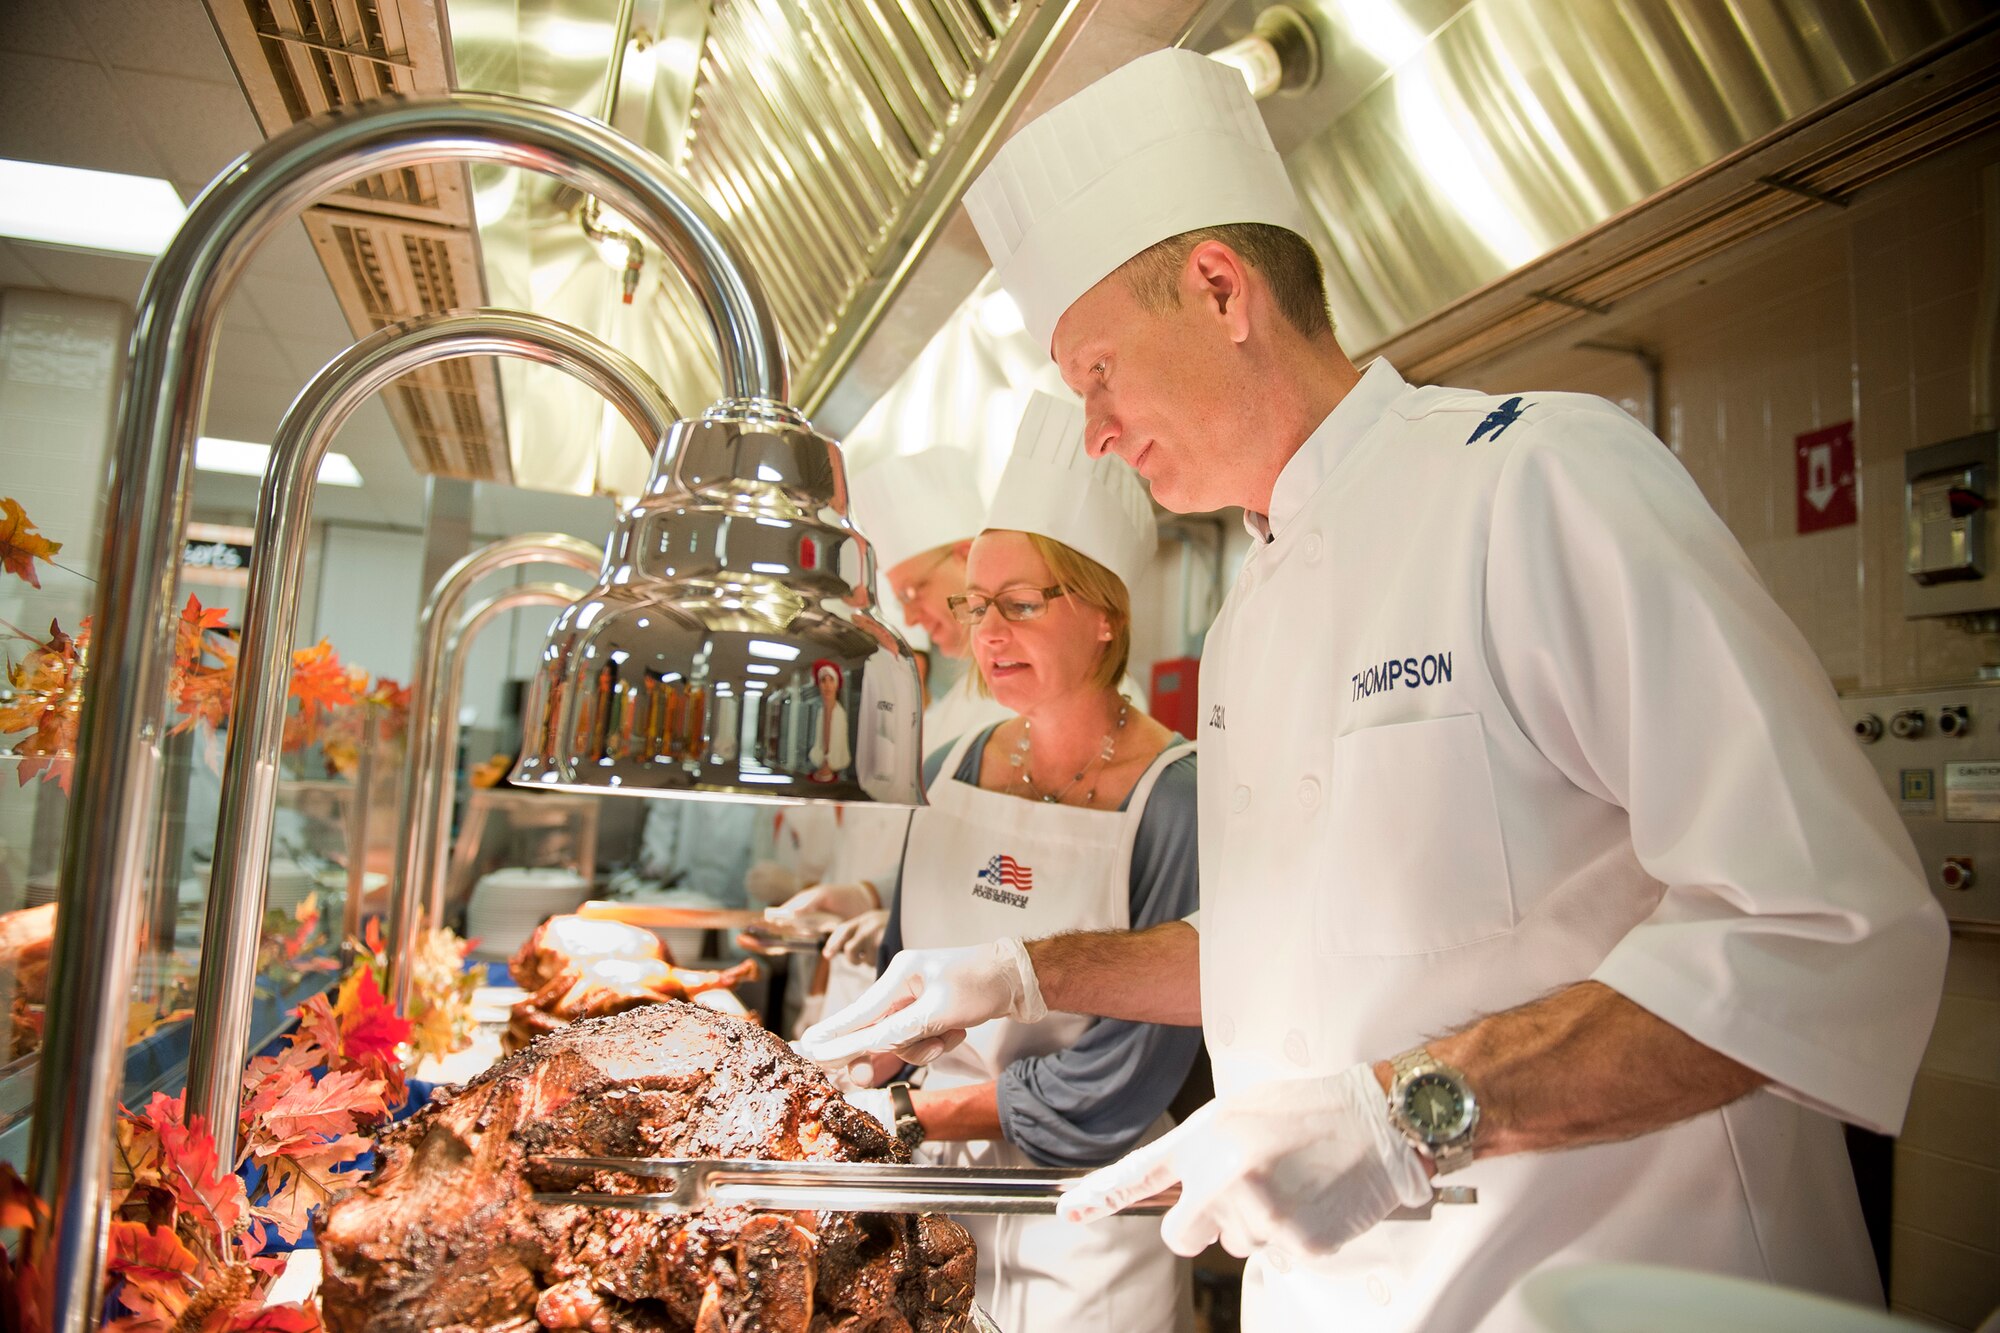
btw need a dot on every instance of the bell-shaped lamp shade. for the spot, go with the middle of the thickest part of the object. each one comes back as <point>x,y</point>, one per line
<point>731,649</point>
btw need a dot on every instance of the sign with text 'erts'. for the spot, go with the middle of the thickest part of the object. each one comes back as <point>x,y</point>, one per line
<point>1826,477</point>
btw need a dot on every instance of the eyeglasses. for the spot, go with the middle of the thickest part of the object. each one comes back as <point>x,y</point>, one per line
<point>909,592</point>
<point>1014,605</point>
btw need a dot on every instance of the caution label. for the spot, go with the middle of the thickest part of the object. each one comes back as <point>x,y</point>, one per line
<point>1972,793</point>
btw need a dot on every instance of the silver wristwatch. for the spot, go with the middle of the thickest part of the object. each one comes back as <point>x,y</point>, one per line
<point>1434,1107</point>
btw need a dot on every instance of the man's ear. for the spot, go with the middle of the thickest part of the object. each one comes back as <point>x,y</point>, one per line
<point>1217,279</point>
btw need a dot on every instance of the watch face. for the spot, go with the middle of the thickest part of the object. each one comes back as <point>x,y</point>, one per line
<point>1436,1107</point>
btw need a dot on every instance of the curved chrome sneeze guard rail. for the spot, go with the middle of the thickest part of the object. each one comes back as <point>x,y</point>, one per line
<point>174,332</point>
<point>256,725</point>
<point>421,841</point>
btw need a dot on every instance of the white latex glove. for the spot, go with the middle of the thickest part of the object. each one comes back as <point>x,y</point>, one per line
<point>1296,1168</point>
<point>858,938</point>
<point>875,1101</point>
<point>767,882</point>
<point>839,900</point>
<point>921,1006</point>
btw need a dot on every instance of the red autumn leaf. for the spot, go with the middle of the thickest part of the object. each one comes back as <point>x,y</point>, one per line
<point>149,1252</point>
<point>333,1106</point>
<point>20,544</point>
<point>159,1274</point>
<point>371,935</point>
<point>22,1293</point>
<point>201,1186</point>
<point>190,633</point>
<point>270,1078</point>
<point>370,1028</point>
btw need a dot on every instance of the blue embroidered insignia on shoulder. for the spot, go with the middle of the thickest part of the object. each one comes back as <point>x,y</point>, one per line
<point>1498,420</point>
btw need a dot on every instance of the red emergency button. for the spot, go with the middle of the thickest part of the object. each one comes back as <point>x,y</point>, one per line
<point>1957,872</point>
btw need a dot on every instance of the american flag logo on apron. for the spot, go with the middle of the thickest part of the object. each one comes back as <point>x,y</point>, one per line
<point>1004,880</point>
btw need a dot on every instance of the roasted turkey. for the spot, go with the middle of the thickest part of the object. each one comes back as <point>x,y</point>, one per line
<point>574,967</point>
<point>443,1234</point>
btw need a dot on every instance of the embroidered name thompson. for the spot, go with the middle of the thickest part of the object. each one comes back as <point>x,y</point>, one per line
<point>1409,673</point>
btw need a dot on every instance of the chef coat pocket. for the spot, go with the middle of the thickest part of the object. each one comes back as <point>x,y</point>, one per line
<point>1413,841</point>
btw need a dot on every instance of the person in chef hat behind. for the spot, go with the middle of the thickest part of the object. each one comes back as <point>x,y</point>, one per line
<point>1075,813</point>
<point>1535,844</point>
<point>834,868</point>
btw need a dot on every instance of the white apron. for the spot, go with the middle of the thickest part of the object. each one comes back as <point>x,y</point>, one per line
<point>984,866</point>
<point>1431,789</point>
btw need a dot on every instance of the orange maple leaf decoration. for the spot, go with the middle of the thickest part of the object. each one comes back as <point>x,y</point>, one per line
<point>159,1275</point>
<point>202,693</point>
<point>321,685</point>
<point>20,544</point>
<point>319,680</point>
<point>196,621</point>
<point>196,1263</point>
<point>48,702</point>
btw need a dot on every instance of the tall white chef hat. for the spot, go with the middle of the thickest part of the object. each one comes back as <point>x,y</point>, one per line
<point>1096,506</point>
<point>1169,143</point>
<point>914,503</point>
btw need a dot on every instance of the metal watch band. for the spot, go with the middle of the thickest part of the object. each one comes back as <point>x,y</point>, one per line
<point>1449,1154</point>
<point>909,1129</point>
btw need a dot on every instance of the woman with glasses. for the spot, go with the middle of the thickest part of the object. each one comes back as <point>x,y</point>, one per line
<point>1075,813</point>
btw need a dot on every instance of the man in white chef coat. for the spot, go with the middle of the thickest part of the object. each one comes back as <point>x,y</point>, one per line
<point>1535,854</point>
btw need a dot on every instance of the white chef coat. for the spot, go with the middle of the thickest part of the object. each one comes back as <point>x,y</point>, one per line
<point>983,866</point>
<point>1501,706</point>
<point>871,847</point>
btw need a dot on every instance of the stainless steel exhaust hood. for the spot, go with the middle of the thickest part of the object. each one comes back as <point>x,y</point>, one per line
<point>1479,169</point>
<point>832,136</point>
<point>1478,173</point>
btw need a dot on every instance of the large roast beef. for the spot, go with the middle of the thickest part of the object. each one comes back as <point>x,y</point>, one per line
<point>443,1234</point>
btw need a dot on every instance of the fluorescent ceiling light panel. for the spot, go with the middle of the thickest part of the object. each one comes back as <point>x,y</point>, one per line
<point>244,459</point>
<point>91,210</point>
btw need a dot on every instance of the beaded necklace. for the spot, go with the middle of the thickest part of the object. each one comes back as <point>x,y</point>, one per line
<point>1023,753</point>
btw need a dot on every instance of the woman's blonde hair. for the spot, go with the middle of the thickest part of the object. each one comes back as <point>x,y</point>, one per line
<point>1095,586</point>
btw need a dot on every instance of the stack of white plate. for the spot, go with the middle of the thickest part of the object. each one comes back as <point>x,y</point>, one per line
<point>289,884</point>
<point>507,905</point>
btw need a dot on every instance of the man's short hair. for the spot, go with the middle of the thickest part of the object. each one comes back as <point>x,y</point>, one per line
<point>1287,261</point>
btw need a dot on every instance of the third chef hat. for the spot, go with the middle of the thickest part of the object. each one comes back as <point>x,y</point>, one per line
<point>1168,143</point>
<point>914,503</point>
<point>1096,506</point>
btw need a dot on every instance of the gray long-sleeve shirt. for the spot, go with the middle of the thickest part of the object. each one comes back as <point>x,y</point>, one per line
<point>1090,1102</point>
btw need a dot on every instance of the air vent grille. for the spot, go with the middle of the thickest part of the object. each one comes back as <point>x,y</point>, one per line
<point>384,270</point>
<point>395,245</point>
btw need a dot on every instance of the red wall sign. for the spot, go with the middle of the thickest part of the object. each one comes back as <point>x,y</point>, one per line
<point>1826,477</point>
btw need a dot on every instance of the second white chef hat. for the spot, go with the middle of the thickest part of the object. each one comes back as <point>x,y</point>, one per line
<point>1096,506</point>
<point>914,503</point>
<point>1169,143</point>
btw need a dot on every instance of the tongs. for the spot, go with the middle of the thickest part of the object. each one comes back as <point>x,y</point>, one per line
<point>857,1187</point>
